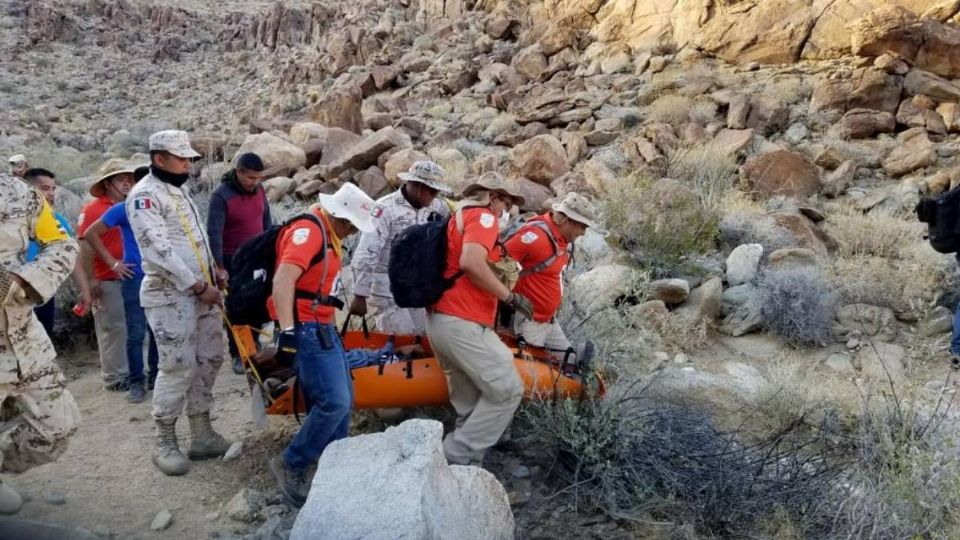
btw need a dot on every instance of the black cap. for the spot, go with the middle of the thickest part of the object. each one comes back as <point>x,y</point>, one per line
<point>140,172</point>
<point>250,162</point>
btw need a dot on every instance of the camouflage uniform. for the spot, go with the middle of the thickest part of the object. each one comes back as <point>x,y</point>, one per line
<point>37,413</point>
<point>189,334</point>
<point>373,254</point>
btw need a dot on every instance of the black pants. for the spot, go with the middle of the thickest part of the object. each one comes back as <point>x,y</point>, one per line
<point>47,314</point>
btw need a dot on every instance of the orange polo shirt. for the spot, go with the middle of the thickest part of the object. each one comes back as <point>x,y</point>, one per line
<point>111,239</point>
<point>465,300</point>
<point>530,246</point>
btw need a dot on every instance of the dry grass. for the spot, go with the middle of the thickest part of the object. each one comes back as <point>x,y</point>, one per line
<point>670,109</point>
<point>678,334</point>
<point>878,234</point>
<point>703,111</point>
<point>711,174</point>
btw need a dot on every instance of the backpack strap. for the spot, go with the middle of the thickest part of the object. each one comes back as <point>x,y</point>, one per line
<point>316,296</point>
<point>543,265</point>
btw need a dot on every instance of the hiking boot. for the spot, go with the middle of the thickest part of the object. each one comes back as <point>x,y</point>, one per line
<point>237,365</point>
<point>119,386</point>
<point>205,443</point>
<point>10,500</point>
<point>168,457</point>
<point>137,393</point>
<point>292,484</point>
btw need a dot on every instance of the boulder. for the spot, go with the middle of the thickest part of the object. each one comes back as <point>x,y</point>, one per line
<point>669,291</point>
<point>541,159</point>
<point>867,88</point>
<point>938,322</point>
<point>601,287</point>
<point>865,320</point>
<point>911,115</point>
<point>891,64</point>
<point>401,480</point>
<point>805,232</point>
<point>340,107</point>
<point>738,111</point>
<point>888,29</point>
<point>743,263</point>
<point>455,165</point>
<point>920,82</point>
<point>530,62</point>
<point>305,131</point>
<point>556,38</point>
<point>780,172</point>
<point>838,181</point>
<point>736,296</point>
<point>279,187</point>
<point>792,258</point>
<point>940,51</point>
<point>865,123</point>
<point>732,142</point>
<point>308,189</point>
<point>400,162</point>
<point>210,146</point>
<point>651,311</point>
<point>830,158</point>
<point>950,113</point>
<point>373,182</point>
<point>366,152</point>
<point>336,143</point>
<point>245,505</point>
<point>744,319</point>
<point>767,115</point>
<point>882,362</point>
<point>914,151</point>
<point>597,175</point>
<point>534,194</point>
<point>280,157</point>
<point>704,302</point>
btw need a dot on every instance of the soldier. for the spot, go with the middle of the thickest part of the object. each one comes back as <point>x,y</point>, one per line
<point>18,165</point>
<point>38,412</point>
<point>415,202</point>
<point>181,299</point>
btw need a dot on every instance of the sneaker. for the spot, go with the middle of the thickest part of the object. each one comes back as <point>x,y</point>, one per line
<point>137,393</point>
<point>119,386</point>
<point>292,485</point>
<point>237,365</point>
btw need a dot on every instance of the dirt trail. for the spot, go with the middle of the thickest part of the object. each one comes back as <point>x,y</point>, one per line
<point>110,484</point>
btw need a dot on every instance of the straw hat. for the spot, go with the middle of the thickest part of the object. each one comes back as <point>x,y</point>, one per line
<point>352,204</point>
<point>492,181</point>
<point>108,170</point>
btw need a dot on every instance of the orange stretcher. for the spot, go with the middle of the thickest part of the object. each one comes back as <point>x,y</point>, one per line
<point>416,382</point>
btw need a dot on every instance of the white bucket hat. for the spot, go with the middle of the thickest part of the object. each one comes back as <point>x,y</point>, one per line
<point>428,173</point>
<point>174,142</point>
<point>352,204</point>
<point>16,160</point>
<point>578,208</point>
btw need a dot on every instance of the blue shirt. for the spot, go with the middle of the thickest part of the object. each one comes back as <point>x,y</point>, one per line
<point>33,248</point>
<point>116,216</point>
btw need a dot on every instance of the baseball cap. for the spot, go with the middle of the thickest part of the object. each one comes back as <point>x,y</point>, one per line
<point>174,142</point>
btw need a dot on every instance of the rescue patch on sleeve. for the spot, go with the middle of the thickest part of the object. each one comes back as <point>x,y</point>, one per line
<point>487,220</point>
<point>300,235</point>
<point>143,203</point>
<point>528,237</point>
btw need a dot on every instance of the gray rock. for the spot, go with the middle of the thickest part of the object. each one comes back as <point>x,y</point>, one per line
<point>839,363</point>
<point>747,318</point>
<point>245,505</point>
<point>518,470</point>
<point>56,499</point>
<point>669,291</point>
<point>397,484</point>
<point>600,287</point>
<point>734,297</point>
<point>234,451</point>
<point>162,520</point>
<point>792,258</point>
<point>743,263</point>
<point>882,362</point>
<point>856,320</point>
<point>940,321</point>
<point>704,302</point>
<point>796,133</point>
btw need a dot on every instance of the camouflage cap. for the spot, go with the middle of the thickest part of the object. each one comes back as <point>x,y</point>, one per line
<point>577,208</point>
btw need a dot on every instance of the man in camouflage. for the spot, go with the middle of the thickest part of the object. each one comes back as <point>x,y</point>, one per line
<point>414,203</point>
<point>182,302</point>
<point>37,413</point>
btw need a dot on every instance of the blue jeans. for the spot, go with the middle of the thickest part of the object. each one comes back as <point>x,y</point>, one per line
<point>324,379</point>
<point>137,331</point>
<point>955,341</point>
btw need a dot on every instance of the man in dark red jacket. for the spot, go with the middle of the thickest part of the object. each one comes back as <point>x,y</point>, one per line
<point>238,212</point>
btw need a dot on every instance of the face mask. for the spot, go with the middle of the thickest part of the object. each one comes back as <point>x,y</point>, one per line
<point>504,219</point>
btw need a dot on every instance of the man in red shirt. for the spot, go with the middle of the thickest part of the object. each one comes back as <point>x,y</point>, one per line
<point>543,246</point>
<point>305,290</point>
<point>105,287</point>
<point>484,386</point>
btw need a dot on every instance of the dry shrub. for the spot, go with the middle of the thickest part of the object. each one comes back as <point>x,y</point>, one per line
<point>658,224</point>
<point>678,334</point>
<point>798,304</point>
<point>788,90</point>
<point>879,234</point>
<point>710,173</point>
<point>703,111</point>
<point>670,109</point>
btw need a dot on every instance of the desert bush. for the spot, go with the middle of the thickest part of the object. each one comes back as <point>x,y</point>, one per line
<point>711,173</point>
<point>670,109</point>
<point>877,233</point>
<point>703,111</point>
<point>751,227</point>
<point>678,334</point>
<point>659,224</point>
<point>788,90</point>
<point>798,305</point>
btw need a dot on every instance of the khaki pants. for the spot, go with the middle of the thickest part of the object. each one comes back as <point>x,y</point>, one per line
<point>392,319</point>
<point>484,386</point>
<point>110,324</point>
<point>548,335</point>
<point>192,345</point>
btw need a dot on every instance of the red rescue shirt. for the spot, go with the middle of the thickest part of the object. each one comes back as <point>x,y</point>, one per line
<point>111,239</point>
<point>465,300</point>
<point>297,245</point>
<point>530,246</point>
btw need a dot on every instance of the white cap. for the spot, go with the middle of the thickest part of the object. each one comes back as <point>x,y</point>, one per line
<point>17,159</point>
<point>352,204</point>
<point>174,142</point>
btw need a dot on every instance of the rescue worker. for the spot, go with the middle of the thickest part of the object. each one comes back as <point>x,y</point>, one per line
<point>182,302</point>
<point>414,203</point>
<point>18,165</point>
<point>238,212</point>
<point>130,270</point>
<point>484,386</point>
<point>106,287</point>
<point>543,247</point>
<point>307,330</point>
<point>38,412</point>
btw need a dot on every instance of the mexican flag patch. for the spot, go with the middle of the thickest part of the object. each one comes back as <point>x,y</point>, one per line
<point>143,204</point>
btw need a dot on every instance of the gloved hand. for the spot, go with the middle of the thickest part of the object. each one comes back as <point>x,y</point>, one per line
<point>520,304</point>
<point>286,347</point>
<point>11,291</point>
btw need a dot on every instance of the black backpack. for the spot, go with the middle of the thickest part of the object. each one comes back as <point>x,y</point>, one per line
<point>251,283</point>
<point>942,216</point>
<point>418,257</point>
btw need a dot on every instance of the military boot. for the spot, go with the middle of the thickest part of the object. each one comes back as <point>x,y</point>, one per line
<point>205,443</point>
<point>168,457</point>
<point>10,500</point>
